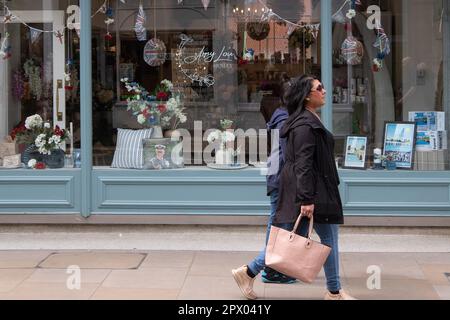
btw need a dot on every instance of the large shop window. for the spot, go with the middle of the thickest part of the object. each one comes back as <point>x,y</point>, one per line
<point>224,60</point>
<point>39,86</point>
<point>388,68</point>
<point>201,66</point>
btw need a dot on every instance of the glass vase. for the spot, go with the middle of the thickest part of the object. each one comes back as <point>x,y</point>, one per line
<point>55,160</point>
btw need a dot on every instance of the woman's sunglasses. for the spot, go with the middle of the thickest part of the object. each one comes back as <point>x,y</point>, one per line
<point>320,88</point>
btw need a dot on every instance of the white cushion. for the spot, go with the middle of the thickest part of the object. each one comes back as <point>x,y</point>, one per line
<point>129,150</point>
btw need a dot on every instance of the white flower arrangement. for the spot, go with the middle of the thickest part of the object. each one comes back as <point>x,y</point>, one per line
<point>162,104</point>
<point>34,122</point>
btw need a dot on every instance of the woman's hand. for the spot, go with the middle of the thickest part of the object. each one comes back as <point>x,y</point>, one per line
<point>307,211</point>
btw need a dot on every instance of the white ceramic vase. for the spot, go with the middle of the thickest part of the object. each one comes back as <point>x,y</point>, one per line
<point>224,156</point>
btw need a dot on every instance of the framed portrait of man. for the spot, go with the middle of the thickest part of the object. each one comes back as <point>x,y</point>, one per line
<point>160,154</point>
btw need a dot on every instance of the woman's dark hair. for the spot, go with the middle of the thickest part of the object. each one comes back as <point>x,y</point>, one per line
<point>285,83</point>
<point>295,96</point>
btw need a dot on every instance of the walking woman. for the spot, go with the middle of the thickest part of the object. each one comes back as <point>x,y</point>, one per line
<point>309,179</point>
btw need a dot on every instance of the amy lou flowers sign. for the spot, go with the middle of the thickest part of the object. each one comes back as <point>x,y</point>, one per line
<point>40,133</point>
<point>161,107</point>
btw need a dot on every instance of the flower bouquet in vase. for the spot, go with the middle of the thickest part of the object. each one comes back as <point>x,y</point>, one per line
<point>155,110</point>
<point>44,142</point>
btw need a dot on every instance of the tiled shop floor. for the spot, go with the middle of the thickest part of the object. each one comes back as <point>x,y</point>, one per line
<point>191,275</point>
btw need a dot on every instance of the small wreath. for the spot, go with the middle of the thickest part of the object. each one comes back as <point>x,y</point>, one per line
<point>258,30</point>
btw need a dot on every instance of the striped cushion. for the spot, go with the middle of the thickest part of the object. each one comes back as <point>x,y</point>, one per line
<point>129,150</point>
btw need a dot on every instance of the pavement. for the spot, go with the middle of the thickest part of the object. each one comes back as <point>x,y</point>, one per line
<point>44,262</point>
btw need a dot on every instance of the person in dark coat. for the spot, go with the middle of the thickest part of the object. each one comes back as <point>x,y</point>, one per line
<point>309,179</point>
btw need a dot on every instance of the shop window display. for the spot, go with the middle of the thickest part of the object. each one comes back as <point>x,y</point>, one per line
<point>388,67</point>
<point>224,60</point>
<point>224,63</point>
<point>39,91</point>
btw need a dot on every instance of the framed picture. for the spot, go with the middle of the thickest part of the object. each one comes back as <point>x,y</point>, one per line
<point>355,152</point>
<point>399,143</point>
<point>160,154</point>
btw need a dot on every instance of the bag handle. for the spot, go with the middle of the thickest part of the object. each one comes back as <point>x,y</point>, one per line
<point>297,224</point>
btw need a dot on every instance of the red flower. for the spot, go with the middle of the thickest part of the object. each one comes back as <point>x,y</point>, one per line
<point>162,108</point>
<point>40,166</point>
<point>58,131</point>
<point>162,96</point>
<point>145,113</point>
<point>18,130</point>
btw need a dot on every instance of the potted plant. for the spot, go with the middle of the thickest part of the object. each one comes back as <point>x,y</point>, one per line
<point>44,142</point>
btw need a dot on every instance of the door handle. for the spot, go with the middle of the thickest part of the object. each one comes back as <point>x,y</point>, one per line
<point>59,86</point>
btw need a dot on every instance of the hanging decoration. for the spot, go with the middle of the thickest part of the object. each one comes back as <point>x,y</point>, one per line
<point>8,17</point>
<point>352,50</point>
<point>60,35</point>
<point>302,37</point>
<point>139,28</point>
<point>206,4</point>
<point>155,52</point>
<point>34,35</point>
<point>109,20</point>
<point>258,30</point>
<point>5,49</point>
<point>315,28</point>
<point>265,15</point>
<point>155,49</point>
<point>382,43</point>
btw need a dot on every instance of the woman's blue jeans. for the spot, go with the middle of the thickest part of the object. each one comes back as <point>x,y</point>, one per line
<point>328,234</point>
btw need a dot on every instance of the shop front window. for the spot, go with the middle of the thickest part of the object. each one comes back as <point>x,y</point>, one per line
<point>39,87</point>
<point>224,59</point>
<point>387,69</point>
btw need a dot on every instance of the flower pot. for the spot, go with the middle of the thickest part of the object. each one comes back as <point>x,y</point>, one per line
<point>55,160</point>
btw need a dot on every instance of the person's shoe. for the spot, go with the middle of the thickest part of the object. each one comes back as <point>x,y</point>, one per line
<point>272,276</point>
<point>342,295</point>
<point>245,282</point>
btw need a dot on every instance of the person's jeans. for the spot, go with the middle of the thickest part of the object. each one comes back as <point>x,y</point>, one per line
<point>329,235</point>
<point>258,264</point>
